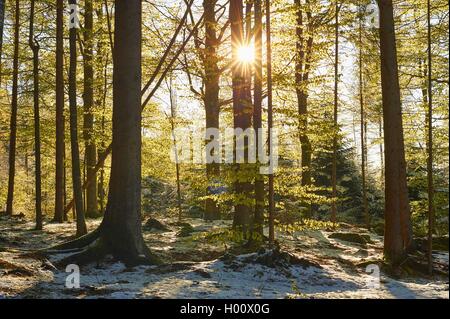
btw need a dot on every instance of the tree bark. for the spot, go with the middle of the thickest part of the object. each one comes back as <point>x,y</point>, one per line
<point>335,115</point>
<point>60,145</point>
<point>211,100</point>
<point>37,133</point>
<point>75,152</point>
<point>270,122</point>
<point>430,145</point>
<point>13,120</point>
<point>242,111</point>
<point>398,231</point>
<point>122,222</point>
<point>257,118</point>
<point>88,97</point>
<point>2,24</point>
<point>363,127</point>
<point>302,65</point>
<point>120,232</point>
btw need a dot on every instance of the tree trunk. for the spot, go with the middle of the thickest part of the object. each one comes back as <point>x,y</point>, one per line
<point>257,118</point>
<point>120,232</point>
<point>430,146</point>
<point>37,132</point>
<point>363,126</point>
<point>60,145</point>
<point>76,172</point>
<point>335,115</point>
<point>2,24</point>
<point>270,122</point>
<point>398,232</point>
<point>122,222</point>
<point>13,121</point>
<point>304,51</point>
<point>211,100</point>
<point>88,97</point>
<point>242,110</point>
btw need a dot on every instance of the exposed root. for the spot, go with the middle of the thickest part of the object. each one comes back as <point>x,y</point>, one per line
<point>78,243</point>
<point>95,252</point>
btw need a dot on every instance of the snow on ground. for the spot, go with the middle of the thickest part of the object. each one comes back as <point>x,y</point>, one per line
<point>194,269</point>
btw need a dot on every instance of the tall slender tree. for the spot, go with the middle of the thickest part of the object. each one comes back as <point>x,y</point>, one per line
<point>398,231</point>
<point>211,100</point>
<point>270,121</point>
<point>88,118</point>
<point>13,120</point>
<point>430,144</point>
<point>59,101</point>
<point>363,121</point>
<point>304,44</point>
<point>242,111</point>
<point>257,116</point>
<point>75,151</point>
<point>335,113</point>
<point>2,24</point>
<point>34,45</point>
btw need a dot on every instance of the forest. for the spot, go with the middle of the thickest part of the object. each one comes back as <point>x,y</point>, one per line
<point>224,149</point>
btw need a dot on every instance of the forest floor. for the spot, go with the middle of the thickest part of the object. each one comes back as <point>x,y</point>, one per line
<point>199,263</point>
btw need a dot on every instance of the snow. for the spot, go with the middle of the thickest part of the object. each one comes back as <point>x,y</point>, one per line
<point>198,272</point>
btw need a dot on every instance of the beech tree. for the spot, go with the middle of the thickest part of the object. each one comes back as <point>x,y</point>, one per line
<point>13,120</point>
<point>59,118</point>
<point>120,232</point>
<point>398,232</point>
<point>74,147</point>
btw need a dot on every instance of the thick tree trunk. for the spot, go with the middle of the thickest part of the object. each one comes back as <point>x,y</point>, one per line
<point>242,110</point>
<point>60,145</point>
<point>122,222</point>
<point>211,100</point>
<point>37,133</point>
<point>88,97</point>
<point>75,152</point>
<point>257,118</point>
<point>120,233</point>
<point>398,232</point>
<point>13,120</point>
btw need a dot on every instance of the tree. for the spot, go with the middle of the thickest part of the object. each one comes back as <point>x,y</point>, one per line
<point>59,101</point>
<point>242,112</point>
<point>2,24</point>
<point>398,231</point>
<point>304,44</point>
<point>335,114</point>
<point>211,99</point>
<point>13,120</point>
<point>88,97</point>
<point>120,232</point>
<point>363,124</point>
<point>75,151</point>
<point>34,45</point>
<point>270,121</point>
<point>429,144</point>
<point>257,116</point>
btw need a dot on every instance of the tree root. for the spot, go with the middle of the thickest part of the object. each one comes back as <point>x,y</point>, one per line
<point>94,252</point>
